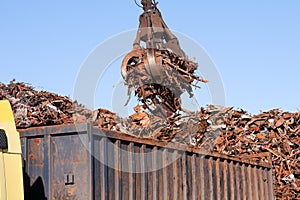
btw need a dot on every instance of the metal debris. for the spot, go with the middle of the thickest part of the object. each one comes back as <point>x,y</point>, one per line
<point>105,119</point>
<point>253,137</point>
<point>140,117</point>
<point>157,69</point>
<point>39,108</point>
<point>227,131</point>
<point>238,134</point>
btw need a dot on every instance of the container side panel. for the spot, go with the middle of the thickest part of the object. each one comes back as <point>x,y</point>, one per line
<point>232,190</point>
<point>202,178</point>
<point>160,185</point>
<point>170,174</point>
<point>207,173</point>
<point>190,171</point>
<point>166,182</point>
<point>128,168</point>
<point>270,184</point>
<point>180,176</point>
<point>154,173</point>
<point>248,182</point>
<point>260,190</point>
<point>132,171</point>
<point>110,154</point>
<point>175,178</point>
<point>96,168</point>
<point>70,178</point>
<point>103,168</point>
<point>34,169</point>
<point>244,182</point>
<point>197,178</point>
<point>185,192</point>
<point>238,182</point>
<point>138,174</point>
<point>125,170</point>
<point>215,179</point>
<point>144,175</point>
<point>150,178</point>
<point>117,170</point>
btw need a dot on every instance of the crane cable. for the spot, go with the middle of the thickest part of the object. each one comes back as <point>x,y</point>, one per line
<point>154,3</point>
<point>138,4</point>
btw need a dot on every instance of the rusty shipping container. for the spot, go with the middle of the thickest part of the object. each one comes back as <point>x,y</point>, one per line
<point>84,162</point>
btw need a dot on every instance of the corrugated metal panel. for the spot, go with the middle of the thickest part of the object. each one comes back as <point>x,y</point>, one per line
<point>124,167</point>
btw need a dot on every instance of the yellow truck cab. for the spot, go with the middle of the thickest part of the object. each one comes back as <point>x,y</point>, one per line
<point>11,178</point>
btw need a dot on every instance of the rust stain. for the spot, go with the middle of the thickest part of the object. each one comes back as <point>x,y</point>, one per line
<point>37,141</point>
<point>32,156</point>
<point>71,192</point>
<point>78,156</point>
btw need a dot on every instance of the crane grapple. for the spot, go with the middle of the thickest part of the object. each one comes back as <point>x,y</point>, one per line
<point>157,69</point>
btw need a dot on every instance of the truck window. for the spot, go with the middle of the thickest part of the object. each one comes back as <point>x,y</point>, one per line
<point>3,140</point>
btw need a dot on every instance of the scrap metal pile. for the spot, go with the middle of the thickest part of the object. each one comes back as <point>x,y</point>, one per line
<point>159,74</point>
<point>213,129</point>
<point>238,134</point>
<point>39,108</point>
<point>252,137</point>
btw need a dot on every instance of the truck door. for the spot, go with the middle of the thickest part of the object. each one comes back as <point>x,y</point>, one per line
<point>11,178</point>
<point>2,177</point>
<point>3,149</point>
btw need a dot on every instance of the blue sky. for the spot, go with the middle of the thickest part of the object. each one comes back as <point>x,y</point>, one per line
<point>255,45</point>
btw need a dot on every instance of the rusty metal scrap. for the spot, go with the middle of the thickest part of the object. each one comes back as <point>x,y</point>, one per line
<point>157,69</point>
<point>140,117</point>
<point>226,131</point>
<point>253,137</point>
<point>39,108</point>
<point>160,94</point>
<point>106,119</point>
<point>234,133</point>
<point>238,134</point>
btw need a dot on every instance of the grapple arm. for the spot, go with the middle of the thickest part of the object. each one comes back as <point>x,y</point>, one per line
<point>157,68</point>
<point>154,32</point>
